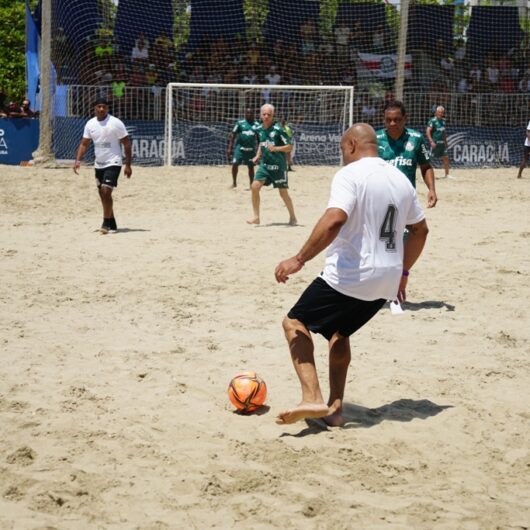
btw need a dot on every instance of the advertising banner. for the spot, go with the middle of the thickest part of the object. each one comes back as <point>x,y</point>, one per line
<point>205,144</point>
<point>19,137</point>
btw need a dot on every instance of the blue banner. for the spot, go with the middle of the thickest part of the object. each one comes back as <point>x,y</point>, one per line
<point>32,59</point>
<point>205,144</point>
<point>19,137</point>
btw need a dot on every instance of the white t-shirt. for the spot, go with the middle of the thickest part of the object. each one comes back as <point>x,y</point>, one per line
<point>527,141</point>
<point>106,135</point>
<point>365,260</point>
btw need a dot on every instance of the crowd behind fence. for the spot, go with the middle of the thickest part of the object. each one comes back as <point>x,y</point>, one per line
<point>146,103</point>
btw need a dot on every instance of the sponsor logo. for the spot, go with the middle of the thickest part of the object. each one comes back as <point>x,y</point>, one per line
<point>409,146</point>
<point>3,144</point>
<point>475,151</point>
<point>400,161</point>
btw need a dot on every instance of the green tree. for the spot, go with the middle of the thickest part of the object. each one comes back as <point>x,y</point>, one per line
<point>12,49</point>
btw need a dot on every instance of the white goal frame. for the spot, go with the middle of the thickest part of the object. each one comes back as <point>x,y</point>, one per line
<point>171,87</point>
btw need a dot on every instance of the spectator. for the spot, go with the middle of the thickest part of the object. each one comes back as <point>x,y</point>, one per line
<point>140,52</point>
<point>309,37</point>
<point>378,39</point>
<point>151,75</point>
<point>524,83</point>
<point>26,109</point>
<point>342,40</point>
<point>14,110</point>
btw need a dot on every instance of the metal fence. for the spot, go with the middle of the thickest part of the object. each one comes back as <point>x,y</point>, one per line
<point>462,109</point>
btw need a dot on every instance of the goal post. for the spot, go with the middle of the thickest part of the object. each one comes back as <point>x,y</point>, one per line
<point>199,118</point>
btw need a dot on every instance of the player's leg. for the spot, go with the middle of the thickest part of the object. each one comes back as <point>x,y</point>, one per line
<point>445,161</point>
<point>284,194</point>
<point>255,189</point>
<point>302,354</point>
<point>339,362</point>
<point>235,167</point>
<point>524,160</point>
<point>250,173</point>
<point>107,179</point>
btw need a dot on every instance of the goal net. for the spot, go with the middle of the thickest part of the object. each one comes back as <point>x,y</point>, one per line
<point>200,118</point>
<point>471,56</point>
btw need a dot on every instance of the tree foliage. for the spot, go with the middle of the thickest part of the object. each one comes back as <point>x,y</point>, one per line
<point>12,49</point>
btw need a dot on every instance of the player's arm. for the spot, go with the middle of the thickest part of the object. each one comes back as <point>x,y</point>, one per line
<point>324,232</point>
<point>427,172</point>
<point>428,134</point>
<point>81,150</point>
<point>413,248</point>
<point>126,142</point>
<point>287,147</point>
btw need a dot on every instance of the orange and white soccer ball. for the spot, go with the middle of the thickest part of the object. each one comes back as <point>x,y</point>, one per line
<point>247,391</point>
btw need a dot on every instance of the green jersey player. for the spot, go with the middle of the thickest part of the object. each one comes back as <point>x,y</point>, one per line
<point>435,133</point>
<point>406,148</point>
<point>242,144</point>
<point>274,143</point>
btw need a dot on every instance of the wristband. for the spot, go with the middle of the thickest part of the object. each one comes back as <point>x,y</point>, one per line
<point>405,273</point>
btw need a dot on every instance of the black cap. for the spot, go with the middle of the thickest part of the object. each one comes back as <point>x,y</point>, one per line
<point>101,101</point>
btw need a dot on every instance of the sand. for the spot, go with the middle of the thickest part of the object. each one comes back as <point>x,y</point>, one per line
<point>117,351</point>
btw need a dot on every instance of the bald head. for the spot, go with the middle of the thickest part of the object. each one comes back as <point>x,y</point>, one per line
<point>357,142</point>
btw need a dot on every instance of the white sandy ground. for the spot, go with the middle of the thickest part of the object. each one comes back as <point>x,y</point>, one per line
<point>116,352</point>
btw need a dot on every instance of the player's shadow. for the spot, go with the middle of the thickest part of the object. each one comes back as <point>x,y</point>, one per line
<point>359,417</point>
<point>285,225</point>
<point>427,304</point>
<point>127,230</point>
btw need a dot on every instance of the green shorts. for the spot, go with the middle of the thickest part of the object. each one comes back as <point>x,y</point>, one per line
<point>276,177</point>
<point>243,157</point>
<point>439,151</point>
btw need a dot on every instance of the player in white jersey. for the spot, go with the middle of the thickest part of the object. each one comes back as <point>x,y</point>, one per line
<point>108,134</point>
<point>367,263</point>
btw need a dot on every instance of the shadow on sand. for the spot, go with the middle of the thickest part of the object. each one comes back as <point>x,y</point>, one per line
<point>357,416</point>
<point>428,304</point>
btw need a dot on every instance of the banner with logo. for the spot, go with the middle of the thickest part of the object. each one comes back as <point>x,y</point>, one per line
<point>314,145</point>
<point>381,66</point>
<point>19,137</point>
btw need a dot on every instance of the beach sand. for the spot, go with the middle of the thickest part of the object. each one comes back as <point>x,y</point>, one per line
<point>117,351</point>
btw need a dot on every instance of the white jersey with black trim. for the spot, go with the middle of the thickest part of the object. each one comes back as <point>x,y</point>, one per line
<point>527,141</point>
<point>106,135</point>
<point>365,260</point>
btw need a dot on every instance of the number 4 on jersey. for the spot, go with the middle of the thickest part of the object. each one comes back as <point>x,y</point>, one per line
<point>387,232</point>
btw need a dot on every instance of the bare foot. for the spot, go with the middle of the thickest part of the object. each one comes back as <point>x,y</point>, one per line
<point>293,222</point>
<point>254,221</point>
<point>335,420</point>
<point>304,410</point>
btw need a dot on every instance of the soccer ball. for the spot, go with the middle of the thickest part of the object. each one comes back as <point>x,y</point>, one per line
<point>247,391</point>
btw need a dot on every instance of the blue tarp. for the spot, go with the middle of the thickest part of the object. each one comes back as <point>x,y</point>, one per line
<point>211,19</point>
<point>150,18</point>
<point>19,137</point>
<point>370,16</point>
<point>427,24</point>
<point>285,18</point>
<point>32,59</point>
<point>493,29</point>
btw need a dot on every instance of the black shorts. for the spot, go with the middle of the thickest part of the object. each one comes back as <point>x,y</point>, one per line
<point>108,176</point>
<point>526,150</point>
<point>323,310</point>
